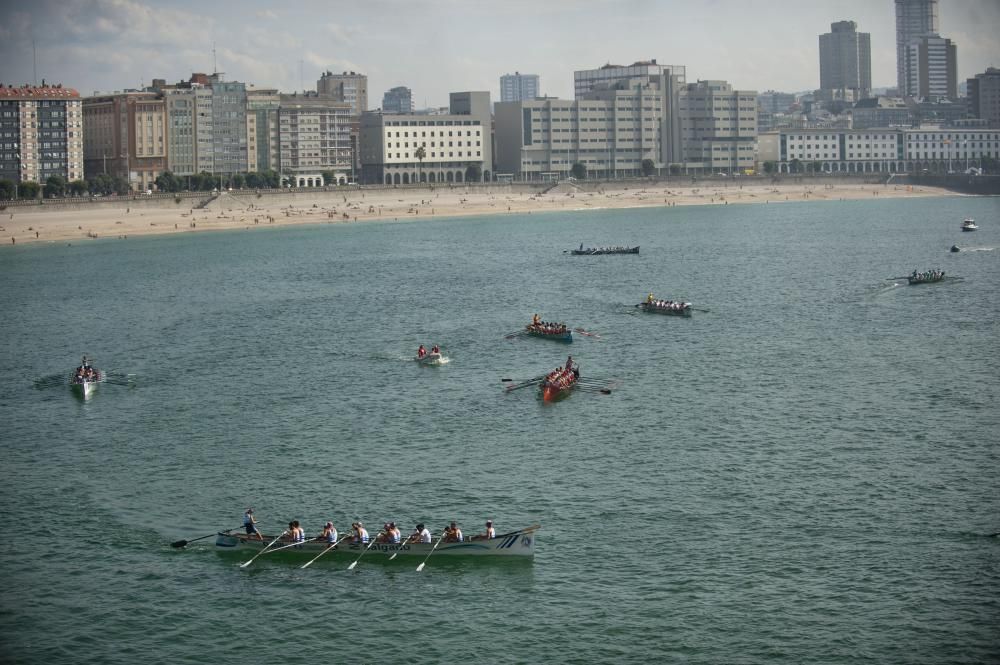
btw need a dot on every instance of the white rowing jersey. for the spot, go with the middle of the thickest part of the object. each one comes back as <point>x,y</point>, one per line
<point>425,536</point>
<point>364,534</point>
<point>458,535</point>
<point>332,536</point>
<point>491,532</point>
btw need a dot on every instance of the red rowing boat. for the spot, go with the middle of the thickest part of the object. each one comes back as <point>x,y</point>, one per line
<point>558,383</point>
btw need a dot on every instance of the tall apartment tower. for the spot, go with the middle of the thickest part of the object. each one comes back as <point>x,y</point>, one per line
<point>668,80</point>
<point>845,59</point>
<point>517,87</point>
<point>914,18</point>
<point>398,100</point>
<point>347,87</point>
<point>41,133</point>
<point>984,96</point>
<point>931,68</point>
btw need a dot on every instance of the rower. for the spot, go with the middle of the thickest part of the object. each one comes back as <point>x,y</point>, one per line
<point>394,535</point>
<point>421,534</point>
<point>452,534</point>
<point>329,533</point>
<point>490,531</point>
<point>421,352</point>
<point>435,349</point>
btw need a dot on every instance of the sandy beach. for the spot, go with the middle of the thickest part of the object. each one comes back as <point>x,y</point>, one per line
<point>249,211</point>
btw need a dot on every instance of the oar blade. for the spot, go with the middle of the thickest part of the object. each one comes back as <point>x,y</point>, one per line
<point>179,543</point>
<point>420,567</point>
<point>353,563</point>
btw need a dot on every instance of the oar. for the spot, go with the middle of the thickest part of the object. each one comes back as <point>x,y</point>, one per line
<point>183,543</point>
<point>588,334</point>
<point>266,547</point>
<point>525,384</point>
<point>330,547</point>
<point>371,541</point>
<point>589,389</point>
<point>421,566</point>
<point>295,544</point>
<point>517,333</point>
<point>892,279</point>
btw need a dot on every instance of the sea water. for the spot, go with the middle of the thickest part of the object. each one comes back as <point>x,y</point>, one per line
<point>804,471</point>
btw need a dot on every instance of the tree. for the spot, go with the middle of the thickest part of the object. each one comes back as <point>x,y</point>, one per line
<point>78,188</point>
<point>420,153</point>
<point>55,185</point>
<point>238,181</point>
<point>168,182</point>
<point>648,167</point>
<point>329,178</point>
<point>7,189</point>
<point>988,164</point>
<point>579,171</point>
<point>817,167</point>
<point>795,166</point>
<point>675,169</point>
<point>769,167</point>
<point>473,173</point>
<point>28,190</point>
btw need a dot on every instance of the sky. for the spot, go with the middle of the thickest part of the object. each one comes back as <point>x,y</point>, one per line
<point>439,46</point>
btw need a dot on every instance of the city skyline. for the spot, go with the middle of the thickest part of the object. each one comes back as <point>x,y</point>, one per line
<point>442,46</point>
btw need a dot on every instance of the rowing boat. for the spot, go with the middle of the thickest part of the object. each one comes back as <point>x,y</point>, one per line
<point>514,543</point>
<point>85,379</point>
<point>604,250</point>
<point>560,335</point>
<point>928,277</point>
<point>558,384</point>
<point>431,359</point>
<point>667,307</point>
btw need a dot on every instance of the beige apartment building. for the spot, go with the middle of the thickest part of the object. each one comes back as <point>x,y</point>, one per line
<point>125,134</point>
<point>41,133</point>
<point>718,127</point>
<point>314,137</point>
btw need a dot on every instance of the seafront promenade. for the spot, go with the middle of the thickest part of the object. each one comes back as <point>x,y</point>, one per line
<point>63,221</point>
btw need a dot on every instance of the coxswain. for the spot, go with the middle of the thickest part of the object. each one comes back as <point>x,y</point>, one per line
<point>569,363</point>
<point>250,524</point>
<point>649,298</point>
<point>421,352</point>
<point>535,320</point>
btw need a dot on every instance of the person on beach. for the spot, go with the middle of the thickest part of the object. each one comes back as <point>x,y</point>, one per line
<point>250,524</point>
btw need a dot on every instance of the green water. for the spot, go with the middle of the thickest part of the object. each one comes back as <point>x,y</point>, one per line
<point>802,472</point>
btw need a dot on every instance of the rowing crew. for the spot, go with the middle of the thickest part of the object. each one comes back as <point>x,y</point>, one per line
<point>390,533</point>
<point>422,352</point>
<point>667,304</point>
<point>85,372</point>
<point>546,327</point>
<point>562,378</point>
<point>929,274</point>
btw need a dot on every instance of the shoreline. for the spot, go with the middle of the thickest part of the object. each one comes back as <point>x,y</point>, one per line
<point>247,210</point>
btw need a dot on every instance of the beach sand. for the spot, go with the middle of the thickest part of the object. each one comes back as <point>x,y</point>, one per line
<point>249,211</point>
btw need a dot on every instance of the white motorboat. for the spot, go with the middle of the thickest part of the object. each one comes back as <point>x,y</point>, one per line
<point>969,225</point>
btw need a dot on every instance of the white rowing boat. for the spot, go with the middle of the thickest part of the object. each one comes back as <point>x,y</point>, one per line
<point>519,543</point>
<point>432,359</point>
<point>83,387</point>
<point>85,379</point>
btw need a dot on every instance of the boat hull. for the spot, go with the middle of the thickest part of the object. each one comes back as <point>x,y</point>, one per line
<point>970,228</point>
<point>432,359</point>
<point>519,543</point>
<point>84,389</point>
<point>566,337</point>
<point>922,280</point>
<point>601,252</point>
<point>685,311</point>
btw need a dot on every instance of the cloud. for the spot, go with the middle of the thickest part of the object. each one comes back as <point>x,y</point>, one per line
<point>343,34</point>
<point>267,15</point>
